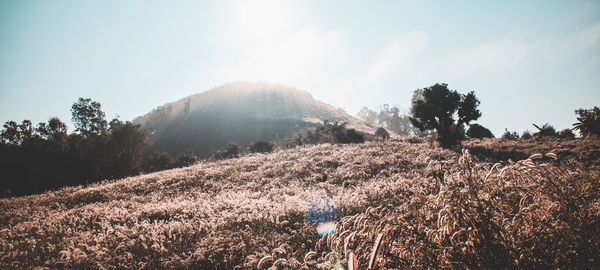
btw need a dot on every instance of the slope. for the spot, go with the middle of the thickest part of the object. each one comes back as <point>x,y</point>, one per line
<point>241,112</point>
<point>418,205</point>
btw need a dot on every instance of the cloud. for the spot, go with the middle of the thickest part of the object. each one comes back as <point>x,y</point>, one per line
<point>492,56</point>
<point>400,53</point>
<point>587,38</point>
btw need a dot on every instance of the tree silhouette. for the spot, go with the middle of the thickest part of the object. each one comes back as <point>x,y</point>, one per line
<point>588,121</point>
<point>88,117</point>
<point>479,132</point>
<point>434,108</point>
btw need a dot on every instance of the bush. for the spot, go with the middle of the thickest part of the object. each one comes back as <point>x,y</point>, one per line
<point>546,130</point>
<point>566,133</point>
<point>354,136</point>
<point>510,135</point>
<point>260,147</point>
<point>382,133</point>
<point>335,132</point>
<point>187,159</point>
<point>159,161</point>
<point>231,150</point>
<point>477,131</point>
<point>526,135</point>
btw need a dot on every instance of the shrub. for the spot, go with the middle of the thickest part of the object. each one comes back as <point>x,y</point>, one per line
<point>231,150</point>
<point>335,132</point>
<point>566,133</point>
<point>382,133</point>
<point>354,136</point>
<point>187,159</point>
<point>589,121</point>
<point>546,130</point>
<point>477,131</point>
<point>260,147</point>
<point>510,135</point>
<point>526,135</point>
<point>159,161</point>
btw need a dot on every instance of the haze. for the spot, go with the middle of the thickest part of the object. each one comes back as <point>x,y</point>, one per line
<point>532,62</point>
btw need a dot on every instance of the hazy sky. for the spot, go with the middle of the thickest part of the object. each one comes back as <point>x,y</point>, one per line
<point>527,61</point>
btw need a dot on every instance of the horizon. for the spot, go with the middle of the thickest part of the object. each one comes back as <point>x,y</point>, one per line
<point>540,58</point>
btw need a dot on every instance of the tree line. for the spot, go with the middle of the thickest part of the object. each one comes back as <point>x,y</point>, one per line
<point>445,113</point>
<point>34,159</point>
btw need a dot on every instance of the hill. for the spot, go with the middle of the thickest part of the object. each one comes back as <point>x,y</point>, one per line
<point>241,112</point>
<point>395,204</point>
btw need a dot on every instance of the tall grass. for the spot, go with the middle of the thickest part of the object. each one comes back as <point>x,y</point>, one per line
<point>400,204</point>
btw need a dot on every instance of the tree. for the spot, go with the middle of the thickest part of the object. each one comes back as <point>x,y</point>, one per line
<point>589,121</point>
<point>511,136</point>
<point>566,133</point>
<point>159,161</point>
<point>435,107</point>
<point>546,130</point>
<point>479,132</point>
<point>127,143</point>
<point>368,115</point>
<point>88,117</point>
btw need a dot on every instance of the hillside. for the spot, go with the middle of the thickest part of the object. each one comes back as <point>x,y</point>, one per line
<point>241,112</point>
<point>416,205</point>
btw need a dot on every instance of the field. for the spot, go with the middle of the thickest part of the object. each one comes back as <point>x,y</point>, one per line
<point>398,204</point>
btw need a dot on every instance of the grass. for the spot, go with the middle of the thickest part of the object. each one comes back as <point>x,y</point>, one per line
<point>400,204</point>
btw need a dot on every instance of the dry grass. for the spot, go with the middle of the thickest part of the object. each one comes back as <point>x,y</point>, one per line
<point>401,204</point>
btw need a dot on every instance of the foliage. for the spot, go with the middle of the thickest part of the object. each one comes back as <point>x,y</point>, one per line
<point>589,121</point>
<point>260,147</point>
<point>434,108</point>
<point>231,150</point>
<point>328,132</point>
<point>390,118</point>
<point>88,117</point>
<point>479,132</point>
<point>566,133</point>
<point>508,135</point>
<point>546,130</point>
<point>526,135</point>
<point>424,207</point>
<point>186,159</point>
<point>382,133</point>
<point>46,157</point>
<point>159,161</point>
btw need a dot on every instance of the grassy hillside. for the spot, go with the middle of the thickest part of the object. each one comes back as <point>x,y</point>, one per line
<point>400,204</point>
<point>241,112</point>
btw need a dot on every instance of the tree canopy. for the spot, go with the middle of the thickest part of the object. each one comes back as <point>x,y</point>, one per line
<point>435,108</point>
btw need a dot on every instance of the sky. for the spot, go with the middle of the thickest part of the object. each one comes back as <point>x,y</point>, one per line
<point>527,61</point>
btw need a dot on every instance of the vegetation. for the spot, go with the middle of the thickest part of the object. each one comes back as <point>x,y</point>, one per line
<point>241,112</point>
<point>546,130</point>
<point>260,147</point>
<point>416,205</point>
<point>389,118</point>
<point>588,121</point>
<point>231,150</point>
<point>434,108</point>
<point>381,133</point>
<point>328,132</point>
<point>511,136</point>
<point>46,157</point>
<point>477,131</point>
